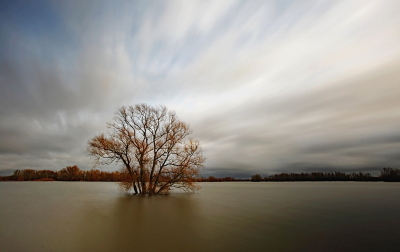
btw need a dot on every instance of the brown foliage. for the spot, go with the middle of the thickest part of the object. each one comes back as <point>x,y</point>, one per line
<point>152,145</point>
<point>70,173</point>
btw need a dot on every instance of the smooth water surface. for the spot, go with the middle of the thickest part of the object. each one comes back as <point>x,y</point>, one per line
<point>235,216</point>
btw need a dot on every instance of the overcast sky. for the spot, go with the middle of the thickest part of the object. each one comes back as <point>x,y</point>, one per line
<point>267,86</point>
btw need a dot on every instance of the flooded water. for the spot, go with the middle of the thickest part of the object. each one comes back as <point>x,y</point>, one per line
<point>237,216</point>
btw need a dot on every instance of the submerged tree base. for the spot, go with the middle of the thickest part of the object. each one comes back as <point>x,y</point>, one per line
<point>126,186</point>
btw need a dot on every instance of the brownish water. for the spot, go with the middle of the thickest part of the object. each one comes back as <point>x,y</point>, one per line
<point>303,216</point>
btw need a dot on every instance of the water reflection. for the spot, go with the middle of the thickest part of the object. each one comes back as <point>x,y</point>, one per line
<point>57,216</point>
<point>143,223</point>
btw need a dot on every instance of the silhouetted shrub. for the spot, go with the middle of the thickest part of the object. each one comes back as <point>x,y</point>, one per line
<point>390,175</point>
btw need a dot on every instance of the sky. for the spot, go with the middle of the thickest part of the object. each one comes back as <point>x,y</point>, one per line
<point>266,86</point>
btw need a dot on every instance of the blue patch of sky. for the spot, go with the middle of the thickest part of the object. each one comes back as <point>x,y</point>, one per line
<point>34,18</point>
<point>34,41</point>
<point>39,29</point>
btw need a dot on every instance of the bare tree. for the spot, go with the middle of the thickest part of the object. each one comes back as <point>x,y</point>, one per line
<point>154,148</point>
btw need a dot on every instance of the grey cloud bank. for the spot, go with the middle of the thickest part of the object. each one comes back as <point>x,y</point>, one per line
<point>267,86</point>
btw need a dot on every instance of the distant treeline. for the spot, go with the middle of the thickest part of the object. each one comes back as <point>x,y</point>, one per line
<point>214,179</point>
<point>387,174</point>
<point>70,173</point>
<point>73,173</point>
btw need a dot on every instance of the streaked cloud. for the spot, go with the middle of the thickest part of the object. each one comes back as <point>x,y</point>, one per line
<point>267,86</point>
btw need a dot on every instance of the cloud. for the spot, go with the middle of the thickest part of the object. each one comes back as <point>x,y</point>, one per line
<point>266,85</point>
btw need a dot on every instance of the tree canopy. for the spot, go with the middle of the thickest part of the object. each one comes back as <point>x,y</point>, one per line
<point>153,146</point>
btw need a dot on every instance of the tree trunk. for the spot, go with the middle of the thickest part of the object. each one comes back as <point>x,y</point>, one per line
<point>134,187</point>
